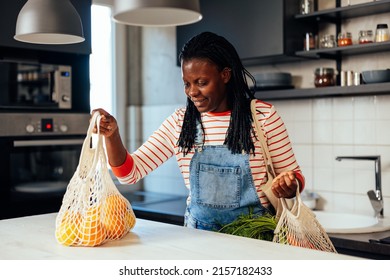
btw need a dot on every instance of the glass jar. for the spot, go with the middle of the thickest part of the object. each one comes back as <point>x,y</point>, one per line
<point>365,36</point>
<point>309,43</point>
<point>344,39</point>
<point>307,6</point>
<point>324,77</point>
<point>327,41</point>
<point>382,33</point>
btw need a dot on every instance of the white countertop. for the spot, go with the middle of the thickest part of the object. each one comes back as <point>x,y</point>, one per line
<point>32,238</point>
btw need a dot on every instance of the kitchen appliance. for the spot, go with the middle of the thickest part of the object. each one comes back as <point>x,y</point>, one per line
<point>32,85</point>
<point>39,154</point>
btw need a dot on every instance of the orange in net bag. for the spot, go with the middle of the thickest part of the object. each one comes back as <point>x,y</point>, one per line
<point>93,210</point>
<point>298,226</point>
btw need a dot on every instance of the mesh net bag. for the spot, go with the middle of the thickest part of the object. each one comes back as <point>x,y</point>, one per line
<point>298,226</point>
<point>93,211</point>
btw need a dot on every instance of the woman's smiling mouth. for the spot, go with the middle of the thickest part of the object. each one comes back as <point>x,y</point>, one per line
<point>198,102</point>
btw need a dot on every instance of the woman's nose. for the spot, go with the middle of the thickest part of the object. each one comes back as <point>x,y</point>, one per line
<point>192,92</point>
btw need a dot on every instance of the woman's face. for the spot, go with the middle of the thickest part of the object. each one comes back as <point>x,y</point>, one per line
<point>205,85</point>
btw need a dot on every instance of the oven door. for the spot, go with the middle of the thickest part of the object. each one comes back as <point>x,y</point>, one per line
<point>39,171</point>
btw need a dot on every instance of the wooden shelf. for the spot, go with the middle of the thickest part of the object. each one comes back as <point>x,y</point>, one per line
<point>336,91</point>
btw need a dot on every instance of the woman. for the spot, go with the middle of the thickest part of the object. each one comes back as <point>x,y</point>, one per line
<point>213,140</point>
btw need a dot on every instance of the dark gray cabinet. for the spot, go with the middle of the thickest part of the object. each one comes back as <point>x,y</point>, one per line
<point>9,11</point>
<point>74,55</point>
<point>262,31</point>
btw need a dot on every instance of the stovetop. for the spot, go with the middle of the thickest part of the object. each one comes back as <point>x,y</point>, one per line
<point>168,208</point>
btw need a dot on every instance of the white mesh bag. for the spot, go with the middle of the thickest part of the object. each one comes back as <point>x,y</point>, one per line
<point>298,226</point>
<point>93,211</point>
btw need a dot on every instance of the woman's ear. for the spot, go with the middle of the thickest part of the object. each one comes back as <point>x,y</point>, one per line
<point>226,74</point>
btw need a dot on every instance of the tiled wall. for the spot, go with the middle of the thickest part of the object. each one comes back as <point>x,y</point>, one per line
<point>320,129</point>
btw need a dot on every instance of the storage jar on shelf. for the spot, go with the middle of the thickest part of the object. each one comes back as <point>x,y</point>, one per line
<point>344,39</point>
<point>382,33</point>
<point>365,36</point>
<point>324,77</point>
<point>327,41</point>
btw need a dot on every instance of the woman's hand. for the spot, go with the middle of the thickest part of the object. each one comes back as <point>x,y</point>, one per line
<point>285,185</point>
<point>108,125</point>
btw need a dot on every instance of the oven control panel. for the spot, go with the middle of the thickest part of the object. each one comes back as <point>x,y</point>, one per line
<point>47,125</point>
<point>43,124</point>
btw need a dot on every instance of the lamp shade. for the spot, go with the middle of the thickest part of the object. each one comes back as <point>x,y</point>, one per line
<point>157,12</point>
<point>49,22</point>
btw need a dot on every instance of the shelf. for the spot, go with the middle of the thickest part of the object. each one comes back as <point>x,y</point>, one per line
<point>336,91</point>
<point>333,53</point>
<point>352,11</point>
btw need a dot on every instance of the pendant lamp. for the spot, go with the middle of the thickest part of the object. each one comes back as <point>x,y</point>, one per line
<point>157,12</point>
<point>49,22</point>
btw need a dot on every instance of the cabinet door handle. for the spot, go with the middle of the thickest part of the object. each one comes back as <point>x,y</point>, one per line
<point>35,143</point>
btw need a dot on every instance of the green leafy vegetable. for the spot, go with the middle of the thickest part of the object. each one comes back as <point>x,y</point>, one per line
<point>253,226</point>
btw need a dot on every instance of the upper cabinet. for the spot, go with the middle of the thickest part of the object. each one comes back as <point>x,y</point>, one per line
<point>262,31</point>
<point>9,11</point>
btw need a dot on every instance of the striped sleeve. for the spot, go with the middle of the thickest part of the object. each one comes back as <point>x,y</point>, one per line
<point>279,144</point>
<point>151,154</point>
<point>280,148</point>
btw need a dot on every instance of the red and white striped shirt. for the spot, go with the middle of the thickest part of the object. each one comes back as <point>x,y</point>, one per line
<point>162,145</point>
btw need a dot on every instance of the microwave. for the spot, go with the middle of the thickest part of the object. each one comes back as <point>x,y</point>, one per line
<point>28,85</point>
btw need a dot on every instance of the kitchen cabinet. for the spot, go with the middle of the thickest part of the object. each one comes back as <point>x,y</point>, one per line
<point>74,55</point>
<point>261,31</point>
<point>362,245</point>
<point>9,13</point>
<point>337,16</point>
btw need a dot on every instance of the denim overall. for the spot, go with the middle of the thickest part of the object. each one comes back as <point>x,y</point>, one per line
<point>221,187</point>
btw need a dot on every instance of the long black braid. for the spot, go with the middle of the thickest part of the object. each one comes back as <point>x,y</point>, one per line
<point>218,50</point>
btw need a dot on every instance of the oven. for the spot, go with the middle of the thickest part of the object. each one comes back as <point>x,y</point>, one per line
<point>39,155</point>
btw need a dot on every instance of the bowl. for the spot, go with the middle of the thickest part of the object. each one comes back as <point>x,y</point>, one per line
<point>273,80</point>
<point>376,76</point>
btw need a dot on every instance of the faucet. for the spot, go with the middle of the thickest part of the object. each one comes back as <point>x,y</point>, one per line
<point>375,197</point>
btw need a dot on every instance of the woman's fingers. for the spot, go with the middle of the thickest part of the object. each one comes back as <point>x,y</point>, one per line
<point>107,125</point>
<point>284,185</point>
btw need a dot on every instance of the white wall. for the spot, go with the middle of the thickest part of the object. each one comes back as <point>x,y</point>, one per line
<point>320,129</point>
<point>162,93</point>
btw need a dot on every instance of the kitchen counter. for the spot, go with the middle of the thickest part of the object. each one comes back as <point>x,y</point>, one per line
<point>362,245</point>
<point>170,209</point>
<point>32,238</point>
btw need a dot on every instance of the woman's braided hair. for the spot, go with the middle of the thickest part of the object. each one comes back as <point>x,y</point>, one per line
<point>222,53</point>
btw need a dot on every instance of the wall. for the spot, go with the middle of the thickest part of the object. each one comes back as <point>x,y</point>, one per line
<point>161,88</point>
<point>320,129</point>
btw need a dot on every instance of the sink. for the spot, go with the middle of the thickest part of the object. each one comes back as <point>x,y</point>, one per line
<point>334,222</point>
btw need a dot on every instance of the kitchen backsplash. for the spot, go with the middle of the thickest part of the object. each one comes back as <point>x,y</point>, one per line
<point>320,129</point>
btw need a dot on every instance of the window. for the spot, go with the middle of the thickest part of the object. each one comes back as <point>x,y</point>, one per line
<point>101,59</point>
